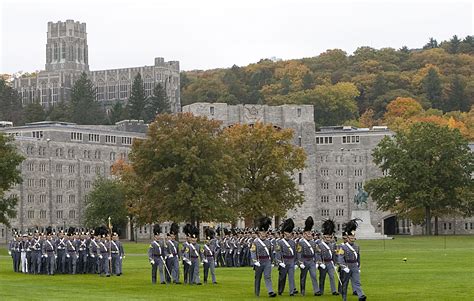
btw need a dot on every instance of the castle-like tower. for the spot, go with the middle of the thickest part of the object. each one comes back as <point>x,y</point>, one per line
<point>66,47</point>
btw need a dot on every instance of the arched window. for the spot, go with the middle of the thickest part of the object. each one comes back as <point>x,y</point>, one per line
<point>56,51</point>
<point>63,50</point>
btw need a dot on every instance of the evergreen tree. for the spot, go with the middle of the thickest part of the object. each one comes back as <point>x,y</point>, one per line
<point>285,85</point>
<point>431,44</point>
<point>432,87</point>
<point>457,100</point>
<point>308,81</point>
<point>60,112</point>
<point>117,113</point>
<point>84,107</point>
<point>158,103</point>
<point>10,104</point>
<point>137,100</point>
<point>454,45</point>
<point>34,112</point>
<point>380,86</point>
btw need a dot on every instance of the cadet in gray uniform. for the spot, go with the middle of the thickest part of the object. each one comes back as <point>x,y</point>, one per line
<point>71,252</point>
<point>207,256</point>
<point>104,246</point>
<point>156,253</point>
<point>116,250</point>
<point>185,253</point>
<point>327,266</point>
<point>261,253</point>
<point>172,260</point>
<point>285,258</point>
<point>194,253</point>
<point>36,253</point>
<point>61,252</point>
<point>349,259</point>
<point>308,253</point>
<point>49,252</point>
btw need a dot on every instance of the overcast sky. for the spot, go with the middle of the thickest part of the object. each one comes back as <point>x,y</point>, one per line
<point>204,34</point>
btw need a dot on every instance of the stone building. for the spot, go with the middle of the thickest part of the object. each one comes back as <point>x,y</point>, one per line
<point>339,162</point>
<point>62,162</point>
<point>67,57</point>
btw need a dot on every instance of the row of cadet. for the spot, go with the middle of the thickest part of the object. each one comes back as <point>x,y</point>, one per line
<point>73,252</point>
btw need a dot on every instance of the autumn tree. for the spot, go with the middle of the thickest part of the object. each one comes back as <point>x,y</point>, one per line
<point>181,165</point>
<point>265,164</point>
<point>429,168</point>
<point>10,159</point>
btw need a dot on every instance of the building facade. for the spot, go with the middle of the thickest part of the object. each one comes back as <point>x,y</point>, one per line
<point>67,57</point>
<point>62,162</point>
<point>339,162</point>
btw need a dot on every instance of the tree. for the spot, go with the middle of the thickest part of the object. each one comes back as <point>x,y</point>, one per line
<point>430,169</point>
<point>107,199</point>
<point>433,89</point>
<point>456,97</point>
<point>84,107</point>
<point>137,99</point>
<point>454,45</point>
<point>182,166</point>
<point>400,110</point>
<point>432,43</point>
<point>60,112</point>
<point>265,162</point>
<point>10,159</point>
<point>158,103</point>
<point>10,104</point>
<point>117,113</point>
<point>34,112</point>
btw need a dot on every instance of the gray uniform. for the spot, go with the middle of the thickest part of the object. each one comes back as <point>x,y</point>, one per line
<point>71,255</point>
<point>285,258</point>
<point>207,257</point>
<point>349,256</point>
<point>36,255</point>
<point>116,257</point>
<point>261,253</point>
<point>308,253</point>
<point>194,250</point>
<point>328,253</point>
<point>104,258</point>
<point>49,253</point>
<point>156,253</point>
<point>172,260</point>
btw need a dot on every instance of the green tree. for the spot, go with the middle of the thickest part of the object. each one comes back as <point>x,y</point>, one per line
<point>60,112</point>
<point>182,166</point>
<point>10,104</point>
<point>34,112</point>
<point>117,113</point>
<point>265,160</point>
<point>158,103</point>
<point>456,96</point>
<point>137,99</point>
<point>107,199</point>
<point>433,89</point>
<point>430,169</point>
<point>84,107</point>
<point>10,175</point>
<point>432,43</point>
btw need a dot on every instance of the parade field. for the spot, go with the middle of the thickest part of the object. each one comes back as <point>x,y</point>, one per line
<point>436,268</point>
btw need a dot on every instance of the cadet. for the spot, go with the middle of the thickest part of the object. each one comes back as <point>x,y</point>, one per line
<point>71,253</point>
<point>285,258</point>
<point>326,265</point>
<point>261,252</point>
<point>156,251</point>
<point>207,255</point>
<point>94,251</point>
<point>185,252</point>
<point>308,253</point>
<point>36,253</point>
<point>194,253</point>
<point>349,260</point>
<point>61,252</point>
<point>81,245</point>
<point>172,260</point>
<point>104,246</point>
<point>116,250</point>
<point>49,252</point>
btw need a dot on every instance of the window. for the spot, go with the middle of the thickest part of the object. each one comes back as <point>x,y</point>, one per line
<point>111,92</point>
<point>42,167</point>
<point>339,185</point>
<point>112,156</point>
<point>444,226</point>
<point>72,168</point>
<point>350,139</point>
<point>41,151</point>
<point>123,156</point>
<point>357,185</point>
<point>31,214</point>
<point>59,214</point>
<point>339,212</point>
<point>299,141</point>
<point>38,134</point>
<point>300,178</point>
<point>59,152</point>
<point>59,168</point>
<point>211,111</point>
<point>339,199</point>
<point>324,172</point>
<point>76,136</point>
<point>298,112</point>
<point>324,198</point>
<point>70,153</point>
<point>71,184</point>
<point>466,226</point>
<point>97,169</point>
<point>87,184</point>
<point>43,214</point>
<point>31,182</point>
<point>97,154</point>
<point>87,169</point>
<point>123,90</point>
<point>72,199</point>
<point>339,172</point>
<point>449,226</point>
<point>357,172</point>
<point>94,138</point>
<point>325,212</point>
<point>87,154</point>
<point>324,140</point>
<point>72,213</point>
<point>110,139</point>
<point>127,140</point>
<point>31,198</point>
<point>30,166</point>
<point>42,199</point>
<point>59,199</point>
<point>42,183</point>
<point>324,185</point>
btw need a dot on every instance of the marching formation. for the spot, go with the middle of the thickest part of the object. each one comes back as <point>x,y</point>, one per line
<point>74,252</point>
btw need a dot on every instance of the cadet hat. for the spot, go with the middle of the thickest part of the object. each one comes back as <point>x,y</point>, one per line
<point>264,223</point>
<point>209,233</point>
<point>308,224</point>
<point>288,226</point>
<point>156,229</point>
<point>187,229</point>
<point>328,227</point>
<point>351,226</point>
<point>174,229</point>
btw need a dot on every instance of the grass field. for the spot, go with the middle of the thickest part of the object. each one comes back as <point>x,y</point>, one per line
<point>437,268</point>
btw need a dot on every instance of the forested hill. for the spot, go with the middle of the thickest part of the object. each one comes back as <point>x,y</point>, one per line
<point>343,87</point>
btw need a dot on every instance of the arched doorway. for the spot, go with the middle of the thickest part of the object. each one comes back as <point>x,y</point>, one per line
<point>390,225</point>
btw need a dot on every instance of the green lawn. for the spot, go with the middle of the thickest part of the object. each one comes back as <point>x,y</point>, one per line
<point>437,268</point>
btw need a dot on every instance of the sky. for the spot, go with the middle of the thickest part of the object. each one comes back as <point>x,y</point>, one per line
<point>205,34</point>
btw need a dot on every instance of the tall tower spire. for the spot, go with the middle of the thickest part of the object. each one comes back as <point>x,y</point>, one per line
<point>66,47</point>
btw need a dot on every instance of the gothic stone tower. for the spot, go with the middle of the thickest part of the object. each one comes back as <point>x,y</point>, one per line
<point>66,47</point>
